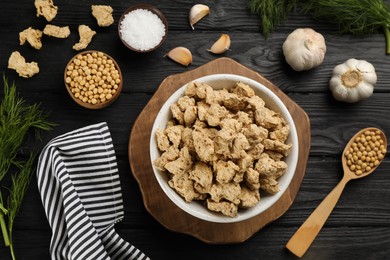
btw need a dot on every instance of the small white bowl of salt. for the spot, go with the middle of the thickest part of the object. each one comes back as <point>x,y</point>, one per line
<point>142,28</point>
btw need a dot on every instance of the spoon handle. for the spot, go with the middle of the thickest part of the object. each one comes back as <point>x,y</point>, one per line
<point>305,235</point>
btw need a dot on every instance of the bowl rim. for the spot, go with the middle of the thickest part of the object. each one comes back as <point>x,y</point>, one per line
<point>154,10</point>
<point>269,200</point>
<point>88,105</point>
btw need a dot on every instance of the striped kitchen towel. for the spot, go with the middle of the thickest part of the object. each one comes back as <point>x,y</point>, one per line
<point>80,190</point>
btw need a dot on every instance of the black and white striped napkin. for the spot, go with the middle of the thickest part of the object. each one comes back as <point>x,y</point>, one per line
<point>80,189</point>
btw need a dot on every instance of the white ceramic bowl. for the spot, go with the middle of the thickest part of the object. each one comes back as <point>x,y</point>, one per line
<point>197,209</point>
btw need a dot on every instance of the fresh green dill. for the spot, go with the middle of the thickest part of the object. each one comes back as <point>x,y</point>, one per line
<point>359,17</point>
<point>20,183</point>
<point>16,120</point>
<point>271,12</point>
<point>4,230</point>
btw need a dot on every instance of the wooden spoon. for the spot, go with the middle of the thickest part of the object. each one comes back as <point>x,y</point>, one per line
<point>305,235</point>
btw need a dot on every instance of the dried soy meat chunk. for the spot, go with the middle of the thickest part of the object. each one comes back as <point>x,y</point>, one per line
<point>243,90</point>
<point>202,174</point>
<point>231,123</point>
<point>204,145</point>
<point>57,31</point>
<point>233,102</point>
<point>249,197</point>
<point>86,35</point>
<point>277,146</point>
<point>280,134</point>
<point>269,185</point>
<point>171,154</point>
<point>267,167</point>
<point>197,90</point>
<point>267,118</point>
<point>182,164</point>
<point>227,191</point>
<point>255,103</point>
<point>226,208</point>
<point>46,8</point>
<point>103,14</point>
<point>245,162</point>
<point>225,171</point>
<point>162,140</point>
<point>255,134</point>
<point>185,187</point>
<point>252,179</point>
<point>25,69</point>
<point>32,36</point>
<point>174,134</point>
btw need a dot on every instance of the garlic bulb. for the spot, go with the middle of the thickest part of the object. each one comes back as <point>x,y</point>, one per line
<point>304,49</point>
<point>181,55</point>
<point>197,12</point>
<point>221,45</point>
<point>353,80</point>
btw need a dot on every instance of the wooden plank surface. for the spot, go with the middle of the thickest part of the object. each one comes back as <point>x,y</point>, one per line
<point>358,228</point>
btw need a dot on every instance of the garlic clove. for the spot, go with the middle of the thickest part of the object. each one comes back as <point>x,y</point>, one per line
<point>221,45</point>
<point>197,12</point>
<point>181,55</point>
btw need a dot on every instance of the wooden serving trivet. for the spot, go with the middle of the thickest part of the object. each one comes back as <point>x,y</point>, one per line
<point>162,208</point>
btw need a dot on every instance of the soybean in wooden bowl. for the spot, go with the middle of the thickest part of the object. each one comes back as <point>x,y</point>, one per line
<point>143,28</point>
<point>93,79</point>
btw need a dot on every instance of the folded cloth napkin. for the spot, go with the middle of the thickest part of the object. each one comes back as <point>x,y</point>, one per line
<point>81,193</point>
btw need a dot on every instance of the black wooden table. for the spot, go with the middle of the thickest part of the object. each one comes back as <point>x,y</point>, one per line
<point>358,228</point>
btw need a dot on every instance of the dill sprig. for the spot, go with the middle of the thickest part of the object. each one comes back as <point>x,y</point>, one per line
<point>20,183</point>
<point>358,17</point>
<point>16,120</point>
<point>352,16</point>
<point>271,12</point>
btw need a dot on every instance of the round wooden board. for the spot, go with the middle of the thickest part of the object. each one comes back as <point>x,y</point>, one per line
<point>162,208</point>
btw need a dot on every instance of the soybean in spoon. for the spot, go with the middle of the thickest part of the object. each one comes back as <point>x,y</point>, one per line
<point>361,156</point>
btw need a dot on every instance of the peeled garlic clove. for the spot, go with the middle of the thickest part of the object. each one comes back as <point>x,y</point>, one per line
<point>181,55</point>
<point>221,45</point>
<point>197,12</point>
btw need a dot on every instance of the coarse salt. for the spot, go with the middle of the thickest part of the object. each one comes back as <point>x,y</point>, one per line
<point>142,29</point>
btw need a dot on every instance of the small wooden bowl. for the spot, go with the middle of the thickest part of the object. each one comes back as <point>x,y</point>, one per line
<point>90,105</point>
<point>152,9</point>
